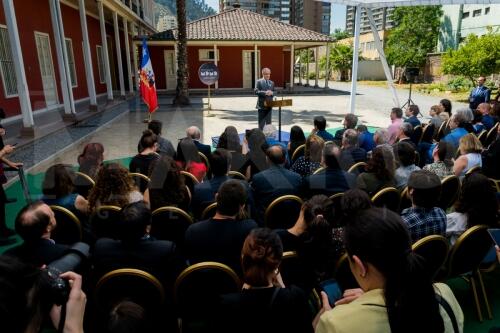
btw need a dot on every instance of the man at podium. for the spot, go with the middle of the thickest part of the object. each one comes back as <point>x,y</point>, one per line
<point>264,89</point>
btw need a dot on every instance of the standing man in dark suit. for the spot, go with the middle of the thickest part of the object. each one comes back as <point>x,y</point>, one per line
<point>480,94</point>
<point>264,89</point>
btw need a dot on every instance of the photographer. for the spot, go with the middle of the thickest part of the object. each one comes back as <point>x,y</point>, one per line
<point>25,299</point>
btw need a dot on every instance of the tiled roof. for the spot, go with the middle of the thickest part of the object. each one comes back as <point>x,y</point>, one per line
<point>242,25</point>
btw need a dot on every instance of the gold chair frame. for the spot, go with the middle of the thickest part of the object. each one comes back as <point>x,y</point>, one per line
<point>85,176</point>
<point>71,216</point>
<point>277,201</point>
<point>296,151</point>
<point>355,166</point>
<point>207,210</point>
<point>191,176</point>
<point>237,175</point>
<point>174,210</point>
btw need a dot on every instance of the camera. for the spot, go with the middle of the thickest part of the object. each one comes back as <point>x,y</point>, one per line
<point>56,289</point>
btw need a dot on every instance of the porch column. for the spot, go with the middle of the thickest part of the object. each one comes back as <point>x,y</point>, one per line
<point>216,60</point>
<point>316,67</point>
<point>17,58</point>
<point>62,58</point>
<point>292,64</point>
<point>327,67</point>
<point>105,53</point>
<point>307,68</point>
<point>135,51</point>
<point>127,55</point>
<point>300,69</point>
<point>355,59</point>
<point>138,11</point>
<point>87,58</point>
<point>118,54</point>
<point>256,64</point>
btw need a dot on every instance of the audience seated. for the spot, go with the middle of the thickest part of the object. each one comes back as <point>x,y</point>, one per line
<point>271,134</point>
<point>446,105</point>
<point>477,204</point>
<point>411,114</point>
<point>34,223</point>
<point>320,129</point>
<point>442,156</point>
<point>477,123</point>
<point>366,140</point>
<point>165,147</point>
<point>405,134</point>
<point>189,160</point>
<point>230,140</point>
<point>311,161</point>
<point>394,283</point>
<point>134,248</point>
<point>332,179</point>
<point>405,155</point>
<point>113,186</point>
<point>90,160</point>
<point>264,304</point>
<point>379,172</point>
<point>254,148</point>
<point>142,161</point>
<point>167,187</point>
<point>350,122</point>
<point>351,153</point>
<point>57,188</point>
<point>424,218</point>
<point>194,134</point>
<point>434,113</point>
<point>274,182</point>
<point>491,158</point>
<point>453,138</point>
<point>467,116</point>
<point>381,137</point>
<point>393,129</point>
<point>297,138</point>
<point>221,237</point>
<point>487,120</point>
<point>470,155</point>
<point>128,317</point>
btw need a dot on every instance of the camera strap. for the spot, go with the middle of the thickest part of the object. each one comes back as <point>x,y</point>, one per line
<point>62,319</point>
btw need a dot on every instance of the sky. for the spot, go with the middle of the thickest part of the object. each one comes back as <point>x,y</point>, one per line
<point>337,20</point>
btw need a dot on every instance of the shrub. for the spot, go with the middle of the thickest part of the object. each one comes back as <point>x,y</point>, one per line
<point>459,83</point>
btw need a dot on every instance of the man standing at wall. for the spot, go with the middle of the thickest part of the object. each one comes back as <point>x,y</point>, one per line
<point>480,94</point>
<point>264,89</point>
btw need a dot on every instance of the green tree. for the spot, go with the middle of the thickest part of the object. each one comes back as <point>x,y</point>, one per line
<point>415,34</point>
<point>339,34</point>
<point>340,59</point>
<point>477,56</point>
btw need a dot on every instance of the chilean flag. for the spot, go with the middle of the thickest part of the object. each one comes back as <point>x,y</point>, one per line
<point>147,77</point>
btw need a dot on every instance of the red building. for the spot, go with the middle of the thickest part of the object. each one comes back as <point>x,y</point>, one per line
<point>58,53</point>
<point>235,36</point>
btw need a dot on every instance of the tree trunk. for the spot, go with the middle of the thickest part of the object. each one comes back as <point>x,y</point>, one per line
<point>181,92</point>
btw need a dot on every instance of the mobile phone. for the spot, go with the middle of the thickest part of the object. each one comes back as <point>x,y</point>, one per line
<point>332,290</point>
<point>14,144</point>
<point>495,235</point>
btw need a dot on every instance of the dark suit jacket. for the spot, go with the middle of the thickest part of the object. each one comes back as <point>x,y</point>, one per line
<point>38,253</point>
<point>202,148</point>
<point>261,86</point>
<point>328,182</point>
<point>351,156</point>
<point>272,183</point>
<point>413,120</point>
<point>491,160</point>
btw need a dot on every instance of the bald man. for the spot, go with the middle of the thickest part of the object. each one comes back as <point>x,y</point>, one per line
<point>264,89</point>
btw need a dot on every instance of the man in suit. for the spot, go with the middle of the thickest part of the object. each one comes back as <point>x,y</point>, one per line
<point>411,113</point>
<point>351,153</point>
<point>333,179</point>
<point>34,223</point>
<point>194,133</point>
<point>405,134</point>
<point>264,89</point>
<point>274,182</point>
<point>221,237</point>
<point>480,94</point>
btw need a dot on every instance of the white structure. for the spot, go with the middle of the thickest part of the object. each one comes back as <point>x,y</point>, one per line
<point>166,22</point>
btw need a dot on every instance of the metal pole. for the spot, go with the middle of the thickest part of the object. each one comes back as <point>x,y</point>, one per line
<point>355,56</point>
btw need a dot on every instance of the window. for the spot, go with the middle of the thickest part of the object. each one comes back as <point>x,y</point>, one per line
<point>207,55</point>
<point>476,13</point>
<point>7,65</point>
<point>71,62</point>
<point>100,64</point>
<point>486,10</point>
<point>465,15</point>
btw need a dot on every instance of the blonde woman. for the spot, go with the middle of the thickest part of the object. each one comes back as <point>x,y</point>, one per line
<point>470,154</point>
<point>311,161</point>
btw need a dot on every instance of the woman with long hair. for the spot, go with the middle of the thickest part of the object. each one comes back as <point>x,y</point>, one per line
<point>297,138</point>
<point>396,293</point>
<point>442,155</point>
<point>254,148</point>
<point>379,172</point>
<point>470,154</point>
<point>446,105</point>
<point>311,161</point>
<point>230,140</point>
<point>90,160</point>
<point>189,160</point>
<point>113,186</point>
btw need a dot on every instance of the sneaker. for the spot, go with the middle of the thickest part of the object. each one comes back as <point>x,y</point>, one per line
<point>6,241</point>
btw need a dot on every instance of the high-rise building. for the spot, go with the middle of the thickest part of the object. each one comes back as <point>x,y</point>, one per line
<point>381,15</point>
<point>311,14</point>
<point>277,9</point>
<point>166,22</point>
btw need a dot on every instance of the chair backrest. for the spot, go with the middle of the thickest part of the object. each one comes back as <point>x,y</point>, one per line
<point>237,175</point>
<point>387,197</point>
<point>405,201</point>
<point>358,168</point>
<point>428,133</point>
<point>474,169</point>
<point>482,137</point>
<point>319,170</point>
<point>495,184</point>
<point>441,130</point>
<point>282,213</point>
<point>205,161</point>
<point>140,180</point>
<point>434,249</point>
<point>291,268</point>
<point>131,284</point>
<point>469,250</point>
<point>337,207</point>
<point>492,134</point>
<point>170,223</point>
<point>299,151</point>
<point>69,228</point>
<point>450,189</point>
<point>104,221</point>
<point>209,211</point>
<point>343,274</point>
<point>190,180</point>
<point>417,134</point>
<point>198,289</point>
<point>83,184</point>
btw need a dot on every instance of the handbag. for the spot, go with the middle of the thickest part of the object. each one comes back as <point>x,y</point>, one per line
<point>446,306</point>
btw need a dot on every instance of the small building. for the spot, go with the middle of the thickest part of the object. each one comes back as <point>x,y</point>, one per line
<point>239,42</point>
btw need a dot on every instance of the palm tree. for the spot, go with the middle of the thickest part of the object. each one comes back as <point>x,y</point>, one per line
<point>181,92</point>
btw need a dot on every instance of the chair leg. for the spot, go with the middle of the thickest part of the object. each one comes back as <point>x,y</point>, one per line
<point>476,299</point>
<point>485,296</point>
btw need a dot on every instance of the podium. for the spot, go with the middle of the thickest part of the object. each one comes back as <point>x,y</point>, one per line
<point>278,104</point>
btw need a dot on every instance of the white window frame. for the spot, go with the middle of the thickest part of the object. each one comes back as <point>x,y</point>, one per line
<point>100,64</point>
<point>202,55</point>
<point>6,94</point>
<point>72,65</point>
